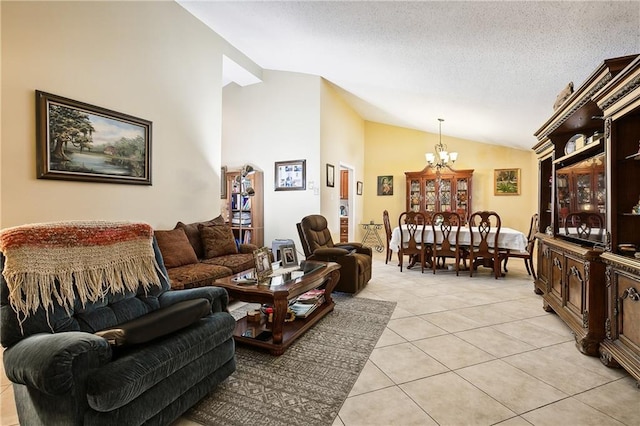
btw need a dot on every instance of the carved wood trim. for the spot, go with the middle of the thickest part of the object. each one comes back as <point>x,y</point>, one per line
<point>624,90</point>
<point>586,97</point>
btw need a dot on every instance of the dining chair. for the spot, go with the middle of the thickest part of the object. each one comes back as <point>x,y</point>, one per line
<point>412,243</point>
<point>527,254</point>
<point>584,222</point>
<point>443,224</point>
<point>482,225</point>
<point>387,230</point>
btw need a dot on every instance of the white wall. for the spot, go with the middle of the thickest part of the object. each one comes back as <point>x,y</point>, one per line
<point>276,120</point>
<point>152,60</point>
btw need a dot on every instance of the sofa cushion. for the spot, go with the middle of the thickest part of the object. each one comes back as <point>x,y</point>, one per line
<point>236,262</point>
<point>175,248</point>
<point>193,233</point>
<point>217,241</point>
<point>157,323</point>
<point>196,275</point>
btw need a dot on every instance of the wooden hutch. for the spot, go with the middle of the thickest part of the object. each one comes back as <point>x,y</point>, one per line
<point>588,152</point>
<point>447,190</point>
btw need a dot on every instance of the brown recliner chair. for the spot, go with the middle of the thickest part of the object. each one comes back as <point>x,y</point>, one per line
<point>354,259</point>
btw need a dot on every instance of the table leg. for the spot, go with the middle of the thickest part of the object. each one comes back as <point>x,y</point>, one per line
<point>279,314</point>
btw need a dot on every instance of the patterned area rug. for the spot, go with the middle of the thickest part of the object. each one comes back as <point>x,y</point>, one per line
<point>309,383</point>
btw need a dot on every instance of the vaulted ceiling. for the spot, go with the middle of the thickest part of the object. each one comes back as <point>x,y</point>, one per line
<point>492,69</point>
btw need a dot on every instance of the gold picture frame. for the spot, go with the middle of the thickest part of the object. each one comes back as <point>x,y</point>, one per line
<point>263,264</point>
<point>506,182</point>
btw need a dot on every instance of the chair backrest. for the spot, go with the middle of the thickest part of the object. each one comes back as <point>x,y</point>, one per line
<point>387,224</point>
<point>303,241</point>
<point>111,309</point>
<point>414,223</point>
<point>443,224</point>
<point>485,222</point>
<point>584,222</point>
<point>316,233</point>
<point>531,236</point>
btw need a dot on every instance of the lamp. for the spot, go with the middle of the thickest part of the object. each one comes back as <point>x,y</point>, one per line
<point>441,153</point>
<point>244,192</point>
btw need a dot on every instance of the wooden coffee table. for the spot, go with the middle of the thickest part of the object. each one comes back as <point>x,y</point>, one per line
<point>279,334</point>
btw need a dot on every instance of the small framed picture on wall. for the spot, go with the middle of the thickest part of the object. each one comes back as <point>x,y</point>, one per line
<point>331,175</point>
<point>506,182</point>
<point>385,185</point>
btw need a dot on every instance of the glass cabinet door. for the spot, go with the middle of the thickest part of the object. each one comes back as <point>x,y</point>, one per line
<point>600,192</point>
<point>430,195</point>
<point>563,197</point>
<point>584,192</point>
<point>462,198</point>
<point>445,195</point>
<point>414,195</point>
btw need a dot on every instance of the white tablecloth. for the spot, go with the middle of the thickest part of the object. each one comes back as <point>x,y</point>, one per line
<point>507,239</point>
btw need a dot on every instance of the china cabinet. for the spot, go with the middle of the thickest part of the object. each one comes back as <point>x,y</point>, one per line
<point>447,190</point>
<point>593,284</point>
<point>620,103</point>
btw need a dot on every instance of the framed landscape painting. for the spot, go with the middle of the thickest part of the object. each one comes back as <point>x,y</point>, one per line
<point>78,141</point>
<point>506,182</point>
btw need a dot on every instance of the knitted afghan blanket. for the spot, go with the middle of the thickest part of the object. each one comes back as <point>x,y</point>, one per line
<point>65,261</point>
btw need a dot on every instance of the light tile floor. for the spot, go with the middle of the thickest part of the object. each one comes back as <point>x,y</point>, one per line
<point>470,351</point>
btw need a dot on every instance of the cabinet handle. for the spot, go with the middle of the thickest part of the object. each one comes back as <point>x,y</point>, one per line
<point>631,293</point>
<point>557,263</point>
<point>576,273</point>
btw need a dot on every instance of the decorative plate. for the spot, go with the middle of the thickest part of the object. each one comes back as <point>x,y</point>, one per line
<point>571,144</point>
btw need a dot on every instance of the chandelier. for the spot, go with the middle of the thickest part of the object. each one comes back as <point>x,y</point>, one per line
<point>441,157</point>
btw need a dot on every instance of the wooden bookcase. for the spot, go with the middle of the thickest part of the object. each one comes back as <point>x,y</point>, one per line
<point>594,287</point>
<point>252,229</point>
<point>450,190</point>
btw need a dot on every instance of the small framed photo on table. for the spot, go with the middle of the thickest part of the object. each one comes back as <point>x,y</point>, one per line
<point>263,263</point>
<point>288,255</point>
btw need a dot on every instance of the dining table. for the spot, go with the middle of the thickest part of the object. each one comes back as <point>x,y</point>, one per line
<point>508,239</point>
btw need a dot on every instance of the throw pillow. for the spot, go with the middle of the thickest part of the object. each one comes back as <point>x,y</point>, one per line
<point>217,241</point>
<point>175,248</point>
<point>193,233</point>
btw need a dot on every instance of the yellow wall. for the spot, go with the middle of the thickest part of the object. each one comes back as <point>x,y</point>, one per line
<point>152,60</point>
<point>342,144</point>
<point>392,151</point>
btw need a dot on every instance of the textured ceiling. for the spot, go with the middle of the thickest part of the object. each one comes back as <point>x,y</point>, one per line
<point>492,70</point>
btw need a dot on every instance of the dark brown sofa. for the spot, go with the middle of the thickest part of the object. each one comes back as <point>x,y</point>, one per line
<point>197,254</point>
